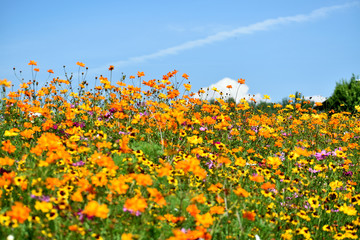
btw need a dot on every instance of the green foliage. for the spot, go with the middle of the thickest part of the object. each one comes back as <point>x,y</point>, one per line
<point>345,97</point>
<point>151,150</point>
<point>230,100</point>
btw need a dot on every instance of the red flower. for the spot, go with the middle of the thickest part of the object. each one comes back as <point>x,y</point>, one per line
<point>241,81</point>
<point>249,215</point>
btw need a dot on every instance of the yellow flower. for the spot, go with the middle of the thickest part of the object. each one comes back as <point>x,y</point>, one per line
<point>348,210</point>
<point>127,236</point>
<point>187,86</point>
<point>52,214</point>
<point>11,132</point>
<point>195,139</point>
<point>336,184</point>
<point>314,202</point>
<point>240,162</point>
<point>287,235</point>
<point>274,161</point>
<point>289,106</point>
<point>43,206</point>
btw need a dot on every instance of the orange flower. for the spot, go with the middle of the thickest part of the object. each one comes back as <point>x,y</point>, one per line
<point>157,197</point>
<point>36,69</point>
<point>223,160</point>
<point>5,82</point>
<point>143,179</point>
<point>118,185</point>
<point>73,228</point>
<point>19,212</point>
<point>217,210</point>
<point>241,81</point>
<point>250,150</point>
<point>229,86</point>
<point>28,133</point>
<point>241,192</point>
<point>249,215</point>
<point>185,76</point>
<point>187,86</point>
<point>193,210</point>
<point>8,147</point>
<point>77,196</point>
<point>50,71</point>
<point>219,200</point>
<point>32,62</point>
<point>93,208</point>
<point>215,187</point>
<point>132,77</point>
<point>165,170</point>
<point>6,161</point>
<point>102,211</point>
<point>136,204</point>
<point>99,179</point>
<point>173,94</point>
<point>121,84</point>
<point>51,183</point>
<point>200,198</point>
<point>7,178</point>
<point>124,148</point>
<point>205,220</point>
<point>140,74</point>
<point>111,68</point>
<point>80,64</point>
<point>267,186</point>
<point>257,178</point>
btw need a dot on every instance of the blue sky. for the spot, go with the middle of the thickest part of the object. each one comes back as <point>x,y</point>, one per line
<point>279,47</point>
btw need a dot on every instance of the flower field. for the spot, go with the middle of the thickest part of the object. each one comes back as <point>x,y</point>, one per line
<point>149,159</point>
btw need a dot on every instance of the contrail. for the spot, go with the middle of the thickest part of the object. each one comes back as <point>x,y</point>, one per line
<point>221,36</point>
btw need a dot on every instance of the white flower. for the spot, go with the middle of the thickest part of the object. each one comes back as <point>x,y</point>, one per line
<point>257,237</point>
<point>10,237</point>
<point>31,114</point>
<point>251,164</point>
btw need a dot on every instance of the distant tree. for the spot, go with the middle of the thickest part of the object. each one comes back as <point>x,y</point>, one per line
<point>344,98</point>
<point>230,100</point>
<point>213,101</point>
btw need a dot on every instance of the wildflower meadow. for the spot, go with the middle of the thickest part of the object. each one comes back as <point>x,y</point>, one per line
<point>138,158</point>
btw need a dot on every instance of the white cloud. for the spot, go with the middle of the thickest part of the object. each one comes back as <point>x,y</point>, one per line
<point>316,98</point>
<point>238,91</point>
<point>224,35</point>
